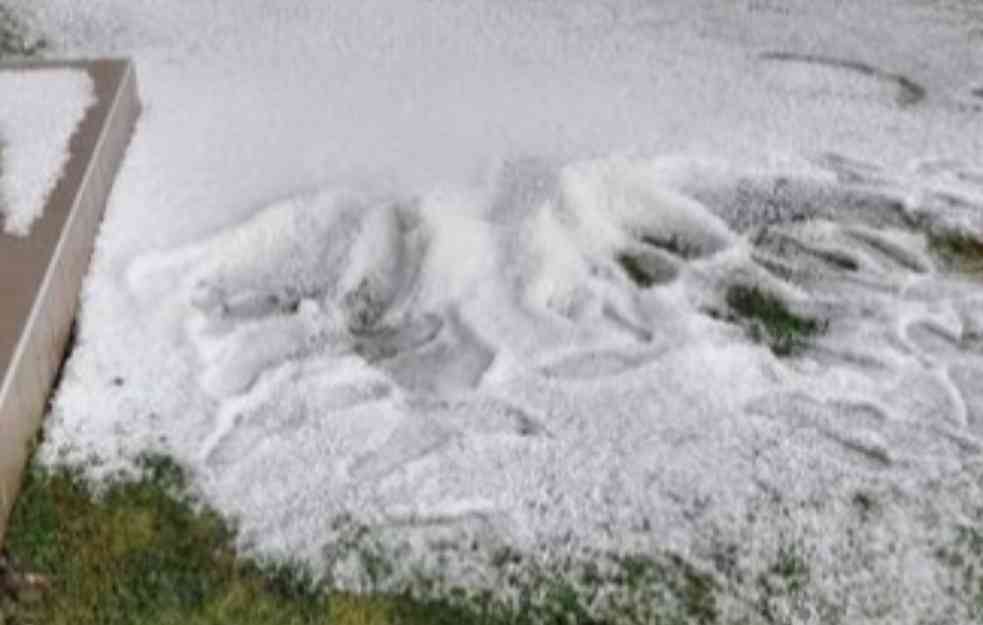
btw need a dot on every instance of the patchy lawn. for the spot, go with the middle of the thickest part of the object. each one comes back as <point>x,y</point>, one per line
<point>142,553</point>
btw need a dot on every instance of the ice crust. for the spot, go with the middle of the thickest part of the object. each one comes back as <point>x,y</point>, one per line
<point>361,266</point>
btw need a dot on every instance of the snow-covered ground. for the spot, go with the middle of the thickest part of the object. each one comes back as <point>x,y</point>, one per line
<point>361,268</point>
<point>39,111</point>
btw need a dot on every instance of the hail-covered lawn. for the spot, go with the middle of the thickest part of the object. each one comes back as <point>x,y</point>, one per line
<point>676,305</point>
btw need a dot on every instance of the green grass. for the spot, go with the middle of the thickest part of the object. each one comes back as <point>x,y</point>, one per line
<point>139,554</point>
<point>636,271</point>
<point>786,577</point>
<point>959,252</point>
<point>770,321</point>
<point>646,270</point>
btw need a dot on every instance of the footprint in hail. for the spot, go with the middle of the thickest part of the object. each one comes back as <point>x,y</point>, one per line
<point>585,249</point>
<point>385,327</point>
<point>883,430</point>
<point>749,201</point>
<point>334,278</point>
<point>429,424</point>
<point>608,237</point>
<point>291,401</point>
<point>839,75</point>
<point>855,429</point>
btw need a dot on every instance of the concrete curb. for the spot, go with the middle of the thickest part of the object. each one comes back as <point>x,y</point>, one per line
<point>41,275</point>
